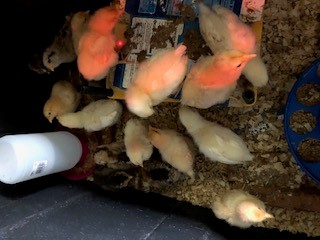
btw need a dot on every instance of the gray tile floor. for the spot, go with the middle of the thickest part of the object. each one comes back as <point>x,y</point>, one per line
<point>54,208</point>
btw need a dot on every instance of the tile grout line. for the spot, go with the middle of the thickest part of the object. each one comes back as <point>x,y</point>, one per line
<point>155,228</point>
<point>5,230</point>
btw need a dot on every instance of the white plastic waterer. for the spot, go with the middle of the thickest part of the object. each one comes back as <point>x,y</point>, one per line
<point>28,156</point>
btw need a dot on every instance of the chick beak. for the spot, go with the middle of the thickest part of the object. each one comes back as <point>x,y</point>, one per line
<point>267,215</point>
<point>248,57</point>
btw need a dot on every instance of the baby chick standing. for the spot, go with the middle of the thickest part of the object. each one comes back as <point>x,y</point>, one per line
<point>96,49</point>
<point>63,99</point>
<point>156,78</point>
<point>239,208</point>
<point>174,149</point>
<point>95,116</point>
<point>222,29</point>
<point>216,142</point>
<point>213,78</point>
<point>137,143</point>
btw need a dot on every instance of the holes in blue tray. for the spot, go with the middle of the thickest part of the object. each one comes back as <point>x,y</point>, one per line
<point>302,122</point>
<point>308,94</point>
<point>309,150</point>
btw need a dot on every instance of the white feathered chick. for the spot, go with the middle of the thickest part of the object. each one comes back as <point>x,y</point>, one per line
<point>155,79</point>
<point>61,50</point>
<point>216,142</point>
<point>256,72</point>
<point>239,208</point>
<point>222,29</point>
<point>63,99</point>
<point>213,78</point>
<point>137,143</point>
<point>78,25</point>
<point>95,116</point>
<point>174,149</point>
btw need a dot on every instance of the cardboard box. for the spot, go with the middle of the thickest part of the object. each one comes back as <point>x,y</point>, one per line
<point>146,15</point>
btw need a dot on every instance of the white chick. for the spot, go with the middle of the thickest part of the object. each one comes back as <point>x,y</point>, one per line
<point>222,29</point>
<point>63,99</point>
<point>137,143</point>
<point>174,149</point>
<point>95,116</point>
<point>256,72</point>
<point>78,25</point>
<point>216,142</point>
<point>155,79</point>
<point>213,78</point>
<point>239,208</point>
<point>96,52</point>
<point>61,50</point>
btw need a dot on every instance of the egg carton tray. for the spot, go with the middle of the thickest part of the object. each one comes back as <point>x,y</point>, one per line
<point>294,139</point>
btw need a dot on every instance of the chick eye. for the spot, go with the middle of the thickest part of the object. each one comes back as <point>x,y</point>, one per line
<point>239,65</point>
<point>49,113</point>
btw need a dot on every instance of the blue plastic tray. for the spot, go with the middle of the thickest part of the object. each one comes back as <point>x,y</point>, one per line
<point>294,139</point>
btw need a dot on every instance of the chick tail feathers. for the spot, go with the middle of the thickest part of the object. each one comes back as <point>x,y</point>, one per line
<point>138,153</point>
<point>219,210</point>
<point>138,102</point>
<point>71,120</point>
<point>256,72</point>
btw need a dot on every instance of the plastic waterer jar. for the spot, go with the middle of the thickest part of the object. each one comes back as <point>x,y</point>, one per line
<point>28,156</point>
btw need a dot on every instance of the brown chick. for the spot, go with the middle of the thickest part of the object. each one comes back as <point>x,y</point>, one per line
<point>239,208</point>
<point>63,99</point>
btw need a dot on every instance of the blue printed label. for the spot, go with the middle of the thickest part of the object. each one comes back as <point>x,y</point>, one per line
<point>147,6</point>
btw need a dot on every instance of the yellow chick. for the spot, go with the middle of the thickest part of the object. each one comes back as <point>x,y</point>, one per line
<point>95,116</point>
<point>96,48</point>
<point>222,29</point>
<point>239,208</point>
<point>213,78</point>
<point>173,148</point>
<point>216,142</point>
<point>136,140</point>
<point>78,25</point>
<point>155,79</point>
<point>63,99</point>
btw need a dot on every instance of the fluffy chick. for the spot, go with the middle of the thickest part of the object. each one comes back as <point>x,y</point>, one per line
<point>95,116</point>
<point>96,52</point>
<point>256,72</point>
<point>239,208</point>
<point>222,29</point>
<point>137,143</point>
<point>174,149</point>
<point>216,142</point>
<point>63,99</point>
<point>61,50</point>
<point>213,78</point>
<point>155,79</point>
<point>78,25</point>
